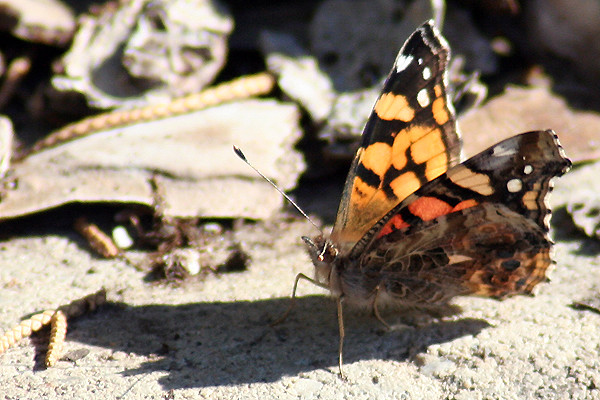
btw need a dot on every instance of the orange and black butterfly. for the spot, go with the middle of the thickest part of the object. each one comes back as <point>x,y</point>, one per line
<point>415,226</point>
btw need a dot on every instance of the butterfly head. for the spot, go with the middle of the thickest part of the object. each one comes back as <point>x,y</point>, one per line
<point>323,254</point>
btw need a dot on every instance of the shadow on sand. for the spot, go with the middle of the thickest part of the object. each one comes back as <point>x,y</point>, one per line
<point>212,344</point>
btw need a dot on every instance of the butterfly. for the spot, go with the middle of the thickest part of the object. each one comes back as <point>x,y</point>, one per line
<point>417,227</point>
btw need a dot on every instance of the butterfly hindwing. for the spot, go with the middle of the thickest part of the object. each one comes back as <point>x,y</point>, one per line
<point>487,250</point>
<point>516,172</point>
<point>480,228</point>
<point>409,139</point>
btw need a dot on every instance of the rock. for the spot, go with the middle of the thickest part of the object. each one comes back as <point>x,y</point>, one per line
<point>584,205</point>
<point>521,109</point>
<point>145,51</point>
<point>568,29</point>
<point>356,42</point>
<point>40,21</point>
<point>190,158</point>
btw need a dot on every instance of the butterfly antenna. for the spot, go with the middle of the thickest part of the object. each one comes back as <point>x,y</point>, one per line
<point>241,155</point>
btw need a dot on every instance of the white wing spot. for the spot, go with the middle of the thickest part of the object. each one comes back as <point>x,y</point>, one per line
<point>502,150</point>
<point>426,73</point>
<point>423,98</point>
<point>514,185</point>
<point>402,62</point>
<point>527,169</point>
<point>420,61</point>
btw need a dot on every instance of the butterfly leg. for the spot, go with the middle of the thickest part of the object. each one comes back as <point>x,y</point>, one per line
<point>342,335</point>
<point>293,299</point>
<point>376,310</point>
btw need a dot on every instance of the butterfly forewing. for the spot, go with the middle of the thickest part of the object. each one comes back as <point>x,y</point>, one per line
<point>410,138</point>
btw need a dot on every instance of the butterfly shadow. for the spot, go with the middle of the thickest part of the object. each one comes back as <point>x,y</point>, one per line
<point>213,344</point>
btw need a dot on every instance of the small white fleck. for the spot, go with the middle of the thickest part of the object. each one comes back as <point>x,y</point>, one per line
<point>193,267</point>
<point>514,185</point>
<point>527,169</point>
<point>188,258</point>
<point>402,62</point>
<point>420,61</point>
<point>212,227</point>
<point>121,237</point>
<point>423,98</point>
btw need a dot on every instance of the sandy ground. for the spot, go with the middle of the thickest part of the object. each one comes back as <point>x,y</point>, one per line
<point>212,339</point>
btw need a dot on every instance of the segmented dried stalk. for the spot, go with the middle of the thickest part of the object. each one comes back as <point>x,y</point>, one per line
<point>99,241</point>
<point>57,338</point>
<point>57,319</point>
<point>87,304</point>
<point>237,89</point>
<point>24,329</point>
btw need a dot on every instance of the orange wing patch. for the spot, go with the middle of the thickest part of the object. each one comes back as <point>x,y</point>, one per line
<point>394,224</point>
<point>426,208</point>
<point>430,150</point>
<point>530,198</point>
<point>427,145</point>
<point>401,144</point>
<point>436,166</point>
<point>440,113</point>
<point>376,158</point>
<point>404,185</point>
<point>394,107</point>
<point>465,204</point>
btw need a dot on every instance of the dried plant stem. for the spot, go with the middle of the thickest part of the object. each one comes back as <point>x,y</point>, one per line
<point>99,241</point>
<point>237,89</point>
<point>57,338</point>
<point>87,304</point>
<point>57,319</point>
<point>25,329</point>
